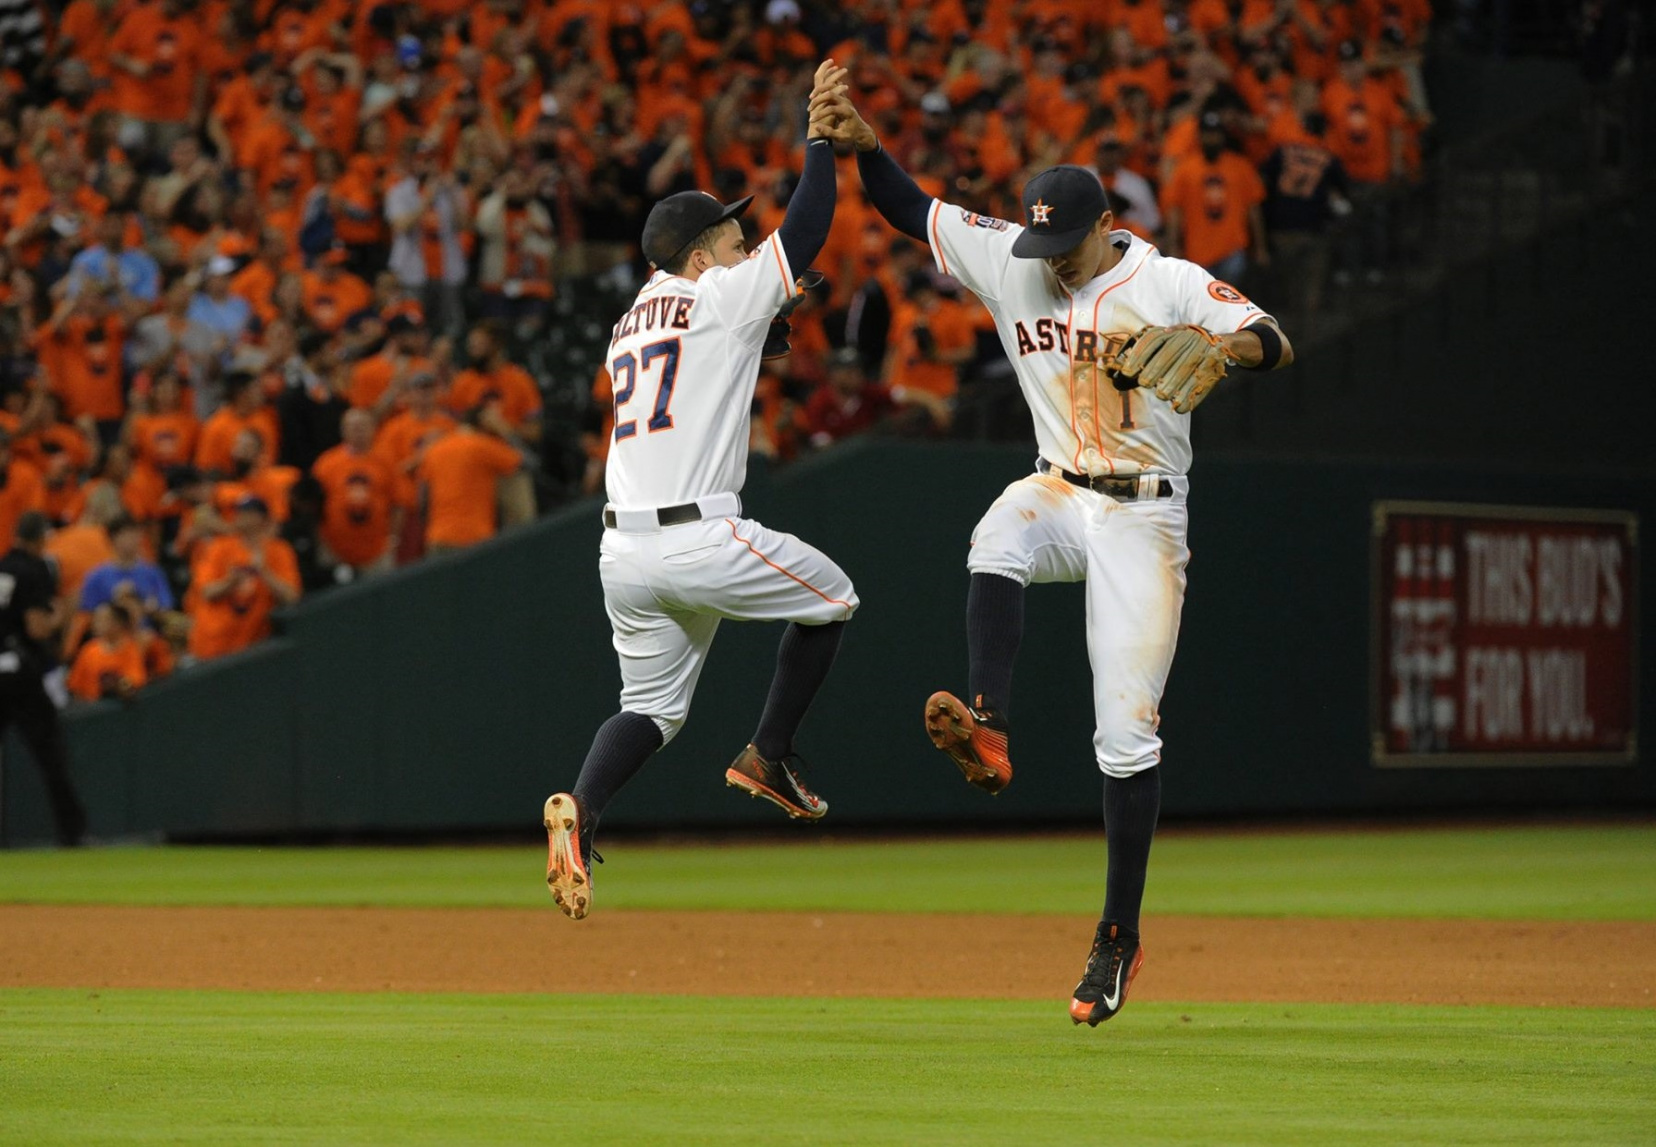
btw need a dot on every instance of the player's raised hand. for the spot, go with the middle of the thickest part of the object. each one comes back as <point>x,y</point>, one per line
<point>835,117</point>
<point>827,88</point>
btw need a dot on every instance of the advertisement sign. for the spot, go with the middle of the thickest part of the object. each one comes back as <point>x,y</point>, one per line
<point>1504,635</point>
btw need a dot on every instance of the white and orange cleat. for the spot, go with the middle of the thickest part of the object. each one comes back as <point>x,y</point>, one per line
<point>974,738</point>
<point>568,850</point>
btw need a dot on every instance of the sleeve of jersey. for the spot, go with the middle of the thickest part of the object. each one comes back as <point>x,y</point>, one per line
<point>1212,304</point>
<point>972,248</point>
<point>748,295</point>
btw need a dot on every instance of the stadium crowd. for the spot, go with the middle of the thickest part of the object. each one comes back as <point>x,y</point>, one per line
<point>271,270</point>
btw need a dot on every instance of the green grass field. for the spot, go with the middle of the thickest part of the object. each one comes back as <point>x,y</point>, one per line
<point>225,1067</point>
<point>78,1068</point>
<point>1585,873</point>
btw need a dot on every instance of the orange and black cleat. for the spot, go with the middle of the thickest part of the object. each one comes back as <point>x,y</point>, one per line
<point>568,855</point>
<point>776,782</point>
<point>974,738</point>
<point>1115,959</point>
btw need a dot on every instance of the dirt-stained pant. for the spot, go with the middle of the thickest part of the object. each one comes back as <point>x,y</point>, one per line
<point>1132,556</point>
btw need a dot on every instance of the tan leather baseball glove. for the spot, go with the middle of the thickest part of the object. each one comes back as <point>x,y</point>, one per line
<point>1180,364</point>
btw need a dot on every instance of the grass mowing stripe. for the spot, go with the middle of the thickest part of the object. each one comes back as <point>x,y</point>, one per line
<point>145,1067</point>
<point>1581,872</point>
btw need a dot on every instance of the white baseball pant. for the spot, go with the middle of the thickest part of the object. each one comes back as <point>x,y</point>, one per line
<point>1132,556</point>
<point>667,588</point>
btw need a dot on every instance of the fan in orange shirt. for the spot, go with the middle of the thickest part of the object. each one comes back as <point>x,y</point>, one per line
<point>274,154</point>
<point>378,382</point>
<point>492,378</point>
<point>1213,206</point>
<point>332,83</point>
<point>244,409</point>
<point>83,547</point>
<point>164,434</point>
<point>403,441</point>
<point>461,475</point>
<point>241,103</point>
<point>1364,120</point>
<point>257,281</point>
<point>111,665</point>
<point>251,475</point>
<point>156,55</point>
<point>80,350</point>
<point>331,293</point>
<point>932,336</point>
<point>240,578</point>
<point>359,517</point>
<point>21,489</point>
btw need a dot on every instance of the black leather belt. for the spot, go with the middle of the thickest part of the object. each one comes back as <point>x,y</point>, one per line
<point>1121,489</point>
<point>666,515</point>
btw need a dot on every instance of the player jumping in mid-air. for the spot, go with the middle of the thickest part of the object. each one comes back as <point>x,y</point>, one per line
<point>1114,345</point>
<point>677,555</point>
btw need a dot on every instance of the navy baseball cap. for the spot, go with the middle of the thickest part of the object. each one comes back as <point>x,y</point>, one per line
<point>1060,206</point>
<point>677,220</point>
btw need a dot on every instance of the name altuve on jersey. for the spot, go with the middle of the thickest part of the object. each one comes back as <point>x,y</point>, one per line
<point>671,312</point>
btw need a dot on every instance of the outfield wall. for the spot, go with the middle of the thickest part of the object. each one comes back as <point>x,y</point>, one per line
<point>455,695</point>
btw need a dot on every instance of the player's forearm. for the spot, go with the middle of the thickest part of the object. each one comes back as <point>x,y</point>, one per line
<point>811,209</point>
<point>893,194</point>
<point>1247,347</point>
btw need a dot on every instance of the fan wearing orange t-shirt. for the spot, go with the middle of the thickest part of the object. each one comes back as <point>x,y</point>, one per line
<point>241,578</point>
<point>1213,204</point>
<point>21,489</point>
<point>931,337</point>
<point>244,409</point>
<point>491,377</point>
<point>111,665</point>
<point>1365,127</point>
<point>331,293</point>
<point>379,381</point>
<point>250,474</point>
<point>359,517</point>
<point>79,347</point>
<point>460,475</point>
<point>164,429</point>
<point>402,441</point>
<point>156,55</point>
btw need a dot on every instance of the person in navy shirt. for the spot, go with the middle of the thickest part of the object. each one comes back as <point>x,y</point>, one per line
<point>129,566</point>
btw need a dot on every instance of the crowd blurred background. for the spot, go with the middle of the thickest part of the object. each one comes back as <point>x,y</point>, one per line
<point>296,292</point>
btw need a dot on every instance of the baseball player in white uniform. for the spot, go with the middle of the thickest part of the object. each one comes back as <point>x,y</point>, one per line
<point>677,555</point>
<point>1114,345</point>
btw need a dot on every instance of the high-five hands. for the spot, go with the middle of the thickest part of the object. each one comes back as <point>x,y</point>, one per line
<point>832,114</point>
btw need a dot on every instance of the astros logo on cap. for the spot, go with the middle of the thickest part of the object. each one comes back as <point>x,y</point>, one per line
<point>1039,212</point>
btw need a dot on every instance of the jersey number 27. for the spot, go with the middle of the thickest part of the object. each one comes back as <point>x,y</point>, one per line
<point>624,373</point>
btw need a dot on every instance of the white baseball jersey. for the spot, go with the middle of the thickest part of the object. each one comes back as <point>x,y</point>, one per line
<point>684,361</point>
<point>1058,341</point>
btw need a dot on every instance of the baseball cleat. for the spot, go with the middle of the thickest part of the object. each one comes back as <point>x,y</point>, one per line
<point>568,847</point>
<point>1116,958</point>
<point>776,782</point>
<point>975,740</point>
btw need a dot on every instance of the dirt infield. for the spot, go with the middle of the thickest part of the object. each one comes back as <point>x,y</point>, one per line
<point>822,954</point>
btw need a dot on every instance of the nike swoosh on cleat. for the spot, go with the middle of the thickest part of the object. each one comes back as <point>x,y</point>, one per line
<point>1114,1001</point>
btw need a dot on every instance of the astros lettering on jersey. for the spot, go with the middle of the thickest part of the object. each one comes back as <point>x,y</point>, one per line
<point>1058,341</point>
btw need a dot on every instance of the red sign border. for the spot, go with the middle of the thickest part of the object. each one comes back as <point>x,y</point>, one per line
<point>1380,758</point>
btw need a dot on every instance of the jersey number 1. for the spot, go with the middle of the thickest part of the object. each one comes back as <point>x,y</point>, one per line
<point>629,366</point>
